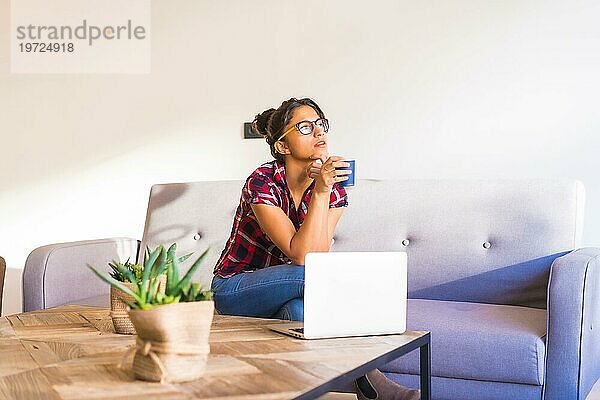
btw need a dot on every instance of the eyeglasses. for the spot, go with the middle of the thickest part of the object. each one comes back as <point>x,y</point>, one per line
<point>307,127</point>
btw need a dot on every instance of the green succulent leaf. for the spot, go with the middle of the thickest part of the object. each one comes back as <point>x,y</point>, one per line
<point>188,276</point>
<point>154,285</point>
<point>185,257</point>
<point>106,278</point>
<point>131,278</point>
<point>159,255</point>
<point>171,252</point>
<point>195,290</point>
<point>132,305</point>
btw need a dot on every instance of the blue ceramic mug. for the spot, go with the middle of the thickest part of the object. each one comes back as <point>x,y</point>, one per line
<point>350,180</point>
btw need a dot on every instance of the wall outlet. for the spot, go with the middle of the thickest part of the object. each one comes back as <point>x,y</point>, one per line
<point>249,133</point>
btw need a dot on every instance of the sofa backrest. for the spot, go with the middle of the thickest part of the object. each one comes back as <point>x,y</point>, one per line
<point>486,241</point>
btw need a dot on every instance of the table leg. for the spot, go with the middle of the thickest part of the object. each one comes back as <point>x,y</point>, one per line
<point>425,357</point>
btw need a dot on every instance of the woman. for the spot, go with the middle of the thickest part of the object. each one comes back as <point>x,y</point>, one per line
<point>289,207</point>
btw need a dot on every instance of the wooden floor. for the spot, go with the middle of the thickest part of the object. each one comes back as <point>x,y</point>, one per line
<point>338,396</point>
<point>72,352</point>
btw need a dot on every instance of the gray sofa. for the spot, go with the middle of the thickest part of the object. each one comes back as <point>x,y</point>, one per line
<point>495,273</point>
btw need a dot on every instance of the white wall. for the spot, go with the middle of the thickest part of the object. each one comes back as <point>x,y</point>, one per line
<point>456,89</point>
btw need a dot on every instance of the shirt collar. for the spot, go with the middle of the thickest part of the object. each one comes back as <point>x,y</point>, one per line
<point>279,173</point>
<point>279,176</point>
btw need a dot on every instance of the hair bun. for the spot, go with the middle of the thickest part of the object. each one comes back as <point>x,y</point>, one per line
<point>260,124</point>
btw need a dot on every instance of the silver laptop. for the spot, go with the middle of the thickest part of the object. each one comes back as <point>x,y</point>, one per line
<point>352,294</point>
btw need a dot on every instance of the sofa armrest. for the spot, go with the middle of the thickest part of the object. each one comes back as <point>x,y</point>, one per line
<point>573,332</point>
<point>56,274</point>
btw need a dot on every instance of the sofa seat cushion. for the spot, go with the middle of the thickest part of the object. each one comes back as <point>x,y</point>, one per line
<point>478,341</point>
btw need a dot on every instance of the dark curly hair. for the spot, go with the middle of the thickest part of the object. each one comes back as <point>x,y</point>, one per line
<point>270,123</point>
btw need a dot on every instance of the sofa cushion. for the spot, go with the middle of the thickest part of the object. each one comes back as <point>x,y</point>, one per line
<point>478,341</point>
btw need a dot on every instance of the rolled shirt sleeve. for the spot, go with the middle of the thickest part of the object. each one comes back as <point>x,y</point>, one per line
<point>257,190</point>
<point>338,197</point>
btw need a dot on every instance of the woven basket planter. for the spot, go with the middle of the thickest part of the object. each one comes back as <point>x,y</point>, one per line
<point>118,308</point>
<point>172,343</point>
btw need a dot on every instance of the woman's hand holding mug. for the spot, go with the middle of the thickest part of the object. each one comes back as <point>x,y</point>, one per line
<point>326,172</point>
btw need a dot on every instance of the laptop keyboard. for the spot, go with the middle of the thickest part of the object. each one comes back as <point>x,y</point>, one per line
<point>299,330</point>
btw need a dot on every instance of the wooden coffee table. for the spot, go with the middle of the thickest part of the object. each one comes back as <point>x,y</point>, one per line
<point>71,352</point>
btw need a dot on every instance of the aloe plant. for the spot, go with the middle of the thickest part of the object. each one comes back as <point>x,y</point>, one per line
<point>119,274</point>
<point>156,263</point>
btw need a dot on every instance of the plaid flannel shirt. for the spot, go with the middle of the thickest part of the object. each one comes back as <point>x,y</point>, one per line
<point>249,248</point>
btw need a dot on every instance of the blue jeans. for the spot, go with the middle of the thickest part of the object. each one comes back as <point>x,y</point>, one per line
<point>272,292</point>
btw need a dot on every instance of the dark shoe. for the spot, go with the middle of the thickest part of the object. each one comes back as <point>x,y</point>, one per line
<point>375,386</point>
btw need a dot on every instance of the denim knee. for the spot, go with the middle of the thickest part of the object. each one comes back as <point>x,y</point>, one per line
<point>293,310</point>
<point>261,293</point>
